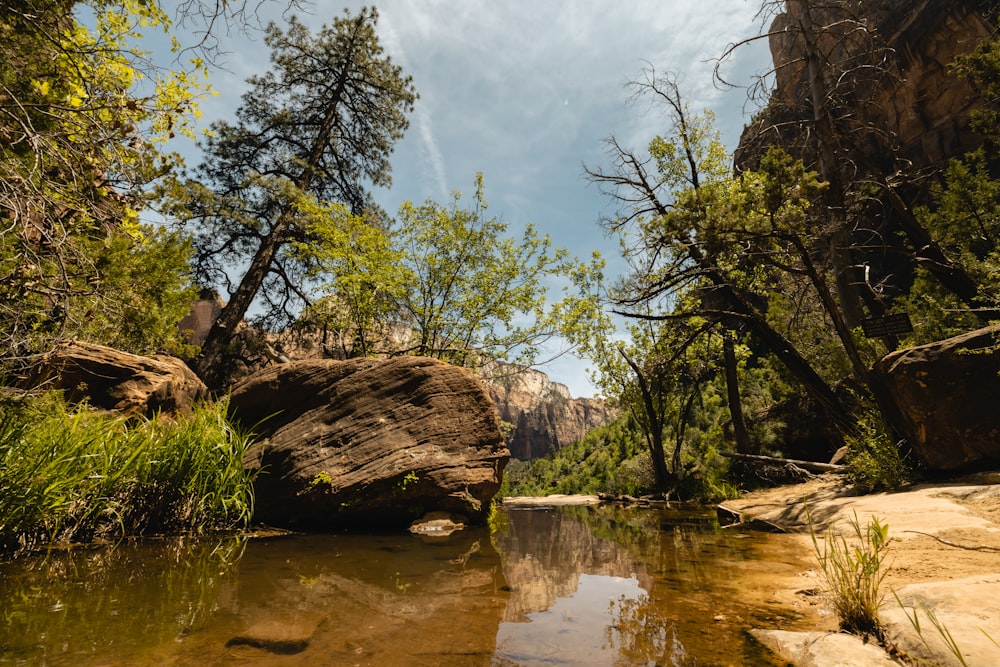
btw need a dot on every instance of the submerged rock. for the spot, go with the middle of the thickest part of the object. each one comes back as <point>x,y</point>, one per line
<point>823,649</point>
<point>283,636</point>
<point>369,442</point>
<point>946,394</point>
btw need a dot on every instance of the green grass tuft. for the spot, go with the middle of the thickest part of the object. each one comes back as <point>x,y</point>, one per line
<point>70,474</point>
<point>854,573</point>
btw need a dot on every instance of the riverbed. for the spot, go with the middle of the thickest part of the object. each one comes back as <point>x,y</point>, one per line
<point>580,585</point>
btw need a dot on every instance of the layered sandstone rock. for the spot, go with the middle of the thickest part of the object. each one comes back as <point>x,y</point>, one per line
<point>369,441</point>
<point>114,380</point>
<point>919,106</point>
<point>543,414</point>
<point>947,394</point>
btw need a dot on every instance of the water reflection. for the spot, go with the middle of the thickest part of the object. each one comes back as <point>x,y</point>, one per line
<point>573,586</point>
<point>617,586</point>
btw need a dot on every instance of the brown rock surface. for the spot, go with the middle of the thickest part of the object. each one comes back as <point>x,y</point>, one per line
<point>369,441</point>
<point>924,106</point>
<point>946,393</point>
<point>114,380</point>
<point>944,553</point>
<point>544,415</point>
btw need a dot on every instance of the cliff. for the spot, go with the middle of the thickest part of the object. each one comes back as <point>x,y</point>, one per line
<point>543,414</point>
<point>917,105</point>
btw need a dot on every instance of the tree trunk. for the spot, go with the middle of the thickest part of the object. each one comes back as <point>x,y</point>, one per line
<point>742,435</point>
<point>656,450</point>
<point>210,365</point>
<point>840,236</point>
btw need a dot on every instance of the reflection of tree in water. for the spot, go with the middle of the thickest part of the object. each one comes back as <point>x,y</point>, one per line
<point>697,578</point>
<point>98,601</point>
<point>643,635</point>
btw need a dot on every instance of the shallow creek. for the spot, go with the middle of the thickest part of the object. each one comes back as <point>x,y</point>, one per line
<point>551,586</point>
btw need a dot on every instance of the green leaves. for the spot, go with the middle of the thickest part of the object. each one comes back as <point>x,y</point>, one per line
<point>68,473</point>
<point>468,288</point>
<point>279,208</point>
<point>84,117</point>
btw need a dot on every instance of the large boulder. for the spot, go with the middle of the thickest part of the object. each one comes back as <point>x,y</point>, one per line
<point>369,442</point>
<point>114,380</point>
<point>946,393</point>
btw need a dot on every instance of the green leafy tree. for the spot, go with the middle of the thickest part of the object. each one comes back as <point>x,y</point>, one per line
<point>366,283</point>
<point>469,289</point>
<point>83,120</point>
<point>964,214</point>
<point>310,137</point>
<point>674,244</point>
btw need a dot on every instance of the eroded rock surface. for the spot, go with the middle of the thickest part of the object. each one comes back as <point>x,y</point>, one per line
<point>114,380</point>
<point>923,105</point>
<point>543,414</point>
<point>942,558</point>
<point>369,441</point>
<point>946,393</point>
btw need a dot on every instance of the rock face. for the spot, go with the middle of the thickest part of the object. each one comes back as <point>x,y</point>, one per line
<point>947,396</point>
<point>115,380</point>
<point>923,106</point>
<point>544,415</point>
<point>370,442</point>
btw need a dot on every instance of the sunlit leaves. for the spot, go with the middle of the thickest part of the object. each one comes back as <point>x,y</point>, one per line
<point>468,285</point>
<point>83,114</point>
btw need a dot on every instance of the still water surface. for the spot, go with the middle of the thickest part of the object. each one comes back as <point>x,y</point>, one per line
<point>559,586</point>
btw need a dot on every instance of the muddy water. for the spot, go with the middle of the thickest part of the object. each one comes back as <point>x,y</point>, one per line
<point>566,586</point>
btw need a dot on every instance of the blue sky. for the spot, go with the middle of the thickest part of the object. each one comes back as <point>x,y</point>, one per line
<point>526,91</point>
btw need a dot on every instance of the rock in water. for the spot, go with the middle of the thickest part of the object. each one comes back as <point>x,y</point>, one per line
<point>947,394</point>
<point>283,636</point>
<point>369,442</point>
<point>114,380</point>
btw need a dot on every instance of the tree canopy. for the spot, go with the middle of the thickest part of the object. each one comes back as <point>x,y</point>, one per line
<point>83,122</point>
<point>311,136</point>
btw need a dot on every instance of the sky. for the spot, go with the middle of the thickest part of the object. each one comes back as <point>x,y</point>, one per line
<point>526,92</point>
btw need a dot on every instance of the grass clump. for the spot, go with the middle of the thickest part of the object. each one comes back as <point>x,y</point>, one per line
<point>70,474</point>
<point>854,573</point>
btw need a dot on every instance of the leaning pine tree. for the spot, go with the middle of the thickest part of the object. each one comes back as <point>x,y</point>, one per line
<point>310,136</point>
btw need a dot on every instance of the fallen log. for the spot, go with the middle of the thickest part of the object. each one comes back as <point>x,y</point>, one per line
<point>810,466</point>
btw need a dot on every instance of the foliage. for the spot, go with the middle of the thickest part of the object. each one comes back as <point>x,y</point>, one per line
<point>83,120</point>
<point>874,461</point>
<point>854,573</point>
<point>614,459</point>
<point>365,285</point>
<point>609,459</point>
<point>276,187</point>
<point>469,288</point>
<point>70,474</point>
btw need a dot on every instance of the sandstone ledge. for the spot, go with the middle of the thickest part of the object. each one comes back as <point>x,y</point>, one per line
<point>944,557</point>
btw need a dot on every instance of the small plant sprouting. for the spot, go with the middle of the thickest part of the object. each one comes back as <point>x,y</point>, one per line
<point>855,573</point>
<point>322,478</point>
<point>408,479</point>
<point>946,637</point>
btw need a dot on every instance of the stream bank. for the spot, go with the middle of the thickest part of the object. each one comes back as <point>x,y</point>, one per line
<point>945,557</point>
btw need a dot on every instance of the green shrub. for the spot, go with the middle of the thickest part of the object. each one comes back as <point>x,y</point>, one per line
<point>874,461</point>
<point>70,474</point>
